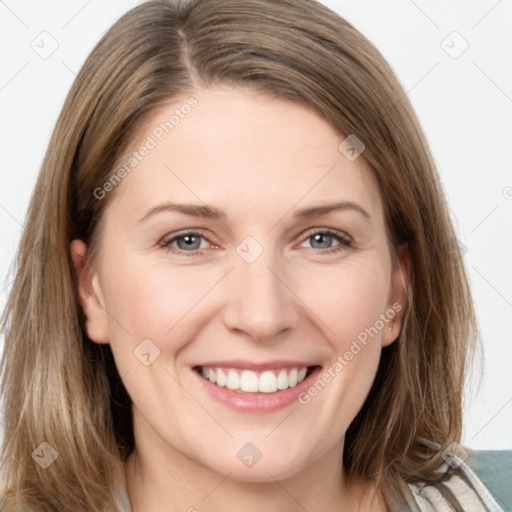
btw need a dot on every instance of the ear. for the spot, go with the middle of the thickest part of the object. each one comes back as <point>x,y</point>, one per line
<point>400,279</point>
<point>90,294</point>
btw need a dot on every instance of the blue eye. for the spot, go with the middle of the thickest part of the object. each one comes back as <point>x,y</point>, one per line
<point>323,240</point>
<point>189,242</point>
<point>192,242</point>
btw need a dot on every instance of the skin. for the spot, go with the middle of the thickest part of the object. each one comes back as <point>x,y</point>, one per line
<point>259,159</point>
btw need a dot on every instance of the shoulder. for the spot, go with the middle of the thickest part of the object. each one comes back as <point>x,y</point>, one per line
<point>463,490</point>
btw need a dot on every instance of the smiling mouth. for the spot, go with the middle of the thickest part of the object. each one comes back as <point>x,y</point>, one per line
<point>248,381</point>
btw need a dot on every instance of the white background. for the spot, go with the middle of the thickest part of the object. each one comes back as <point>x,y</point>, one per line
<point>464,104</point>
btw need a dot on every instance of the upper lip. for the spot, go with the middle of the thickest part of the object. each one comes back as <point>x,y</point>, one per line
<point>257,366</point>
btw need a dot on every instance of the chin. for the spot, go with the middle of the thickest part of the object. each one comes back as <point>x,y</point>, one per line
<point>261,472</point>
<point>247,463</point>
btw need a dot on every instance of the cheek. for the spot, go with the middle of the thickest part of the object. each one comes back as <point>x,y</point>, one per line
<point>152,302</point>
<point>349,303</point>
<point>346,301</point>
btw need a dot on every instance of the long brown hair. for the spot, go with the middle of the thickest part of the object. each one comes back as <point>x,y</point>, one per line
<point>60,388</point>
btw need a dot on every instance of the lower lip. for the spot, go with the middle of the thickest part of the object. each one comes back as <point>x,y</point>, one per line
<point>257,403</point>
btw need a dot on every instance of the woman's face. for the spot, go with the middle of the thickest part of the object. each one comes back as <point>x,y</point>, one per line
<point>245,247</point>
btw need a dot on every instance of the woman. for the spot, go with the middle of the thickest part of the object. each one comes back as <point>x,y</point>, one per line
<point>244,293</point>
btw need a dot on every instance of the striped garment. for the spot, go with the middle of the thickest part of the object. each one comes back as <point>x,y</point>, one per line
<point>462,492</point>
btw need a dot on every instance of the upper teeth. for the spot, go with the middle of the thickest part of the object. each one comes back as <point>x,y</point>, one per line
<point>246,380</point>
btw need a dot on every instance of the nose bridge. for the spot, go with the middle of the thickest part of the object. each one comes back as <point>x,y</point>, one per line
<point>261,305</point>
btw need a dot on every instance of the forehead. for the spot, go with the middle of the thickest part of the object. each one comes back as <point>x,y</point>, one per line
<point>234,143</point>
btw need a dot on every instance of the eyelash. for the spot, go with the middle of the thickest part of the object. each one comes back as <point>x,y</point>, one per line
<point>344,241</point>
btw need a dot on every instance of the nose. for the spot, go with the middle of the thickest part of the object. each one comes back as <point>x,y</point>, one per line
<point>259,301</point>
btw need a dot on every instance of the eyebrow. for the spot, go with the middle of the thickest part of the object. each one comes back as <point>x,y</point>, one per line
<point>208,212</point>
<point>194,210</point>
<point>318,211</point>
